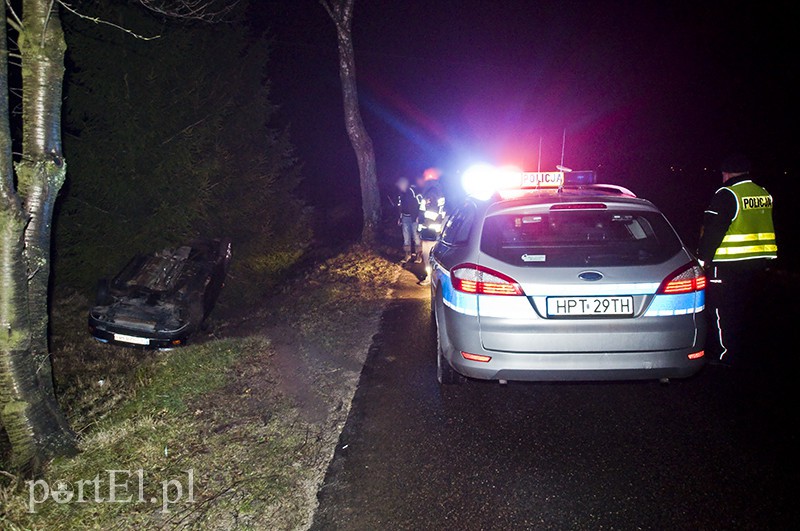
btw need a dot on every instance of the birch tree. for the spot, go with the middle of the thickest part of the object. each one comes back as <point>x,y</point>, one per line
<point>29,413</point>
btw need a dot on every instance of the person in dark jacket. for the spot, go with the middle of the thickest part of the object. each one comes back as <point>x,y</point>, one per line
<point>408,205</point>
<point>737,243</point>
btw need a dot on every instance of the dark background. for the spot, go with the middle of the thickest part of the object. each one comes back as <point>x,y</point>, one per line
<point>651,95</point>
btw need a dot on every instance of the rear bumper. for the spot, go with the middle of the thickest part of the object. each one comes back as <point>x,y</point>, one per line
<point>592,366</point>
<point>531,356</point>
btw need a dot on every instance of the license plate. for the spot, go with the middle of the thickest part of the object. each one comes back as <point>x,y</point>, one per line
<point>581,306</point>
<point>131,339</point>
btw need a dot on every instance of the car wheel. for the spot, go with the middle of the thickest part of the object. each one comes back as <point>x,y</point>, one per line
<point>445,374</point>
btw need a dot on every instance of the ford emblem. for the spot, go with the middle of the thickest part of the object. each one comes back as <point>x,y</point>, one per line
<point>591,276</point>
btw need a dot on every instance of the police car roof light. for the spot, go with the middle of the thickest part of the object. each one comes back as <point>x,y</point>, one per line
<point>579,178</point>
<point>483,181</point>
<point>479,181</point>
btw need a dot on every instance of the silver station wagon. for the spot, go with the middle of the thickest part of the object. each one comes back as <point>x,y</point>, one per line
<point>550,276</point>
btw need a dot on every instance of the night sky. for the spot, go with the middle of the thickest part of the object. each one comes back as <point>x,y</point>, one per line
<point>652,95</point>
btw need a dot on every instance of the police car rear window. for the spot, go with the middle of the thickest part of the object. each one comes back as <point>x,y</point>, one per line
<point>579,238</point>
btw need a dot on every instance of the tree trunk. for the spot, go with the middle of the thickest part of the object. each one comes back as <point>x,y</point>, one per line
<point>41,170</point>
<point>341,11</point>
<point>29,413</point>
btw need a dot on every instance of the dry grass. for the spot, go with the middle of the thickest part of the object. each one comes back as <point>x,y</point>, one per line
<point>221,408</point>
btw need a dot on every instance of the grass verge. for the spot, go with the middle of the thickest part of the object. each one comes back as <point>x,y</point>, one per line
<point>233,432</point>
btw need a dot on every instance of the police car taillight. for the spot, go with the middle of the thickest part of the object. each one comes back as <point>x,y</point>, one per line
<point>479,280</point>
<point>687,279</point>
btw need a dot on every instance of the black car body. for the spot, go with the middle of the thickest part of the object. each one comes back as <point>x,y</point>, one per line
<point>159,300</point>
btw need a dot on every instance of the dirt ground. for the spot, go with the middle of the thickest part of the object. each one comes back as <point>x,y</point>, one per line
<point>321,329</point>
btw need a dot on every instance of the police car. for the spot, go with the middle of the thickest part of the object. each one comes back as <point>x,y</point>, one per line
<point>551,276</point>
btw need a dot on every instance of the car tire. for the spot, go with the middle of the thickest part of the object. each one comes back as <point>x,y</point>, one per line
<point>445,373</point>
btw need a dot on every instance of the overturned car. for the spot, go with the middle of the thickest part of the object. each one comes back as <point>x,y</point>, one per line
<point>159,300</point>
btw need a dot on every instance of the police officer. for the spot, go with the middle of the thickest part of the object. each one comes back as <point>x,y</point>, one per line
<point>737,243</point>
<point>408,206</point>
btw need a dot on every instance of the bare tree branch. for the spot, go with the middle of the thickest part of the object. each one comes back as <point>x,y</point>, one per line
<point>340,11</point>
<point>47,21</point>
<point>16,23</point>
<point>203,10</point>
<point>98,20</point>
<point>329,8</point>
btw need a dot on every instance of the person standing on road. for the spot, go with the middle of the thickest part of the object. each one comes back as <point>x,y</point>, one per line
<point>431,216</point>
<point>408,206</point>
<point>737,243</point>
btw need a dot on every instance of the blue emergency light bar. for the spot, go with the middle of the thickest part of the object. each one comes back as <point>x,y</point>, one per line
<point>580,178</point>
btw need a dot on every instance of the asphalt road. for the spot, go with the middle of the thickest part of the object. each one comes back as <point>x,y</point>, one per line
<point>717,451</point>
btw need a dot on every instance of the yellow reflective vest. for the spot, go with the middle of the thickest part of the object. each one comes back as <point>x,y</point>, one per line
<point>751,233</point>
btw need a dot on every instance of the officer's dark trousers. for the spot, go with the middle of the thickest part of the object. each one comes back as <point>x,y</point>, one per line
<point>733,305</point>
